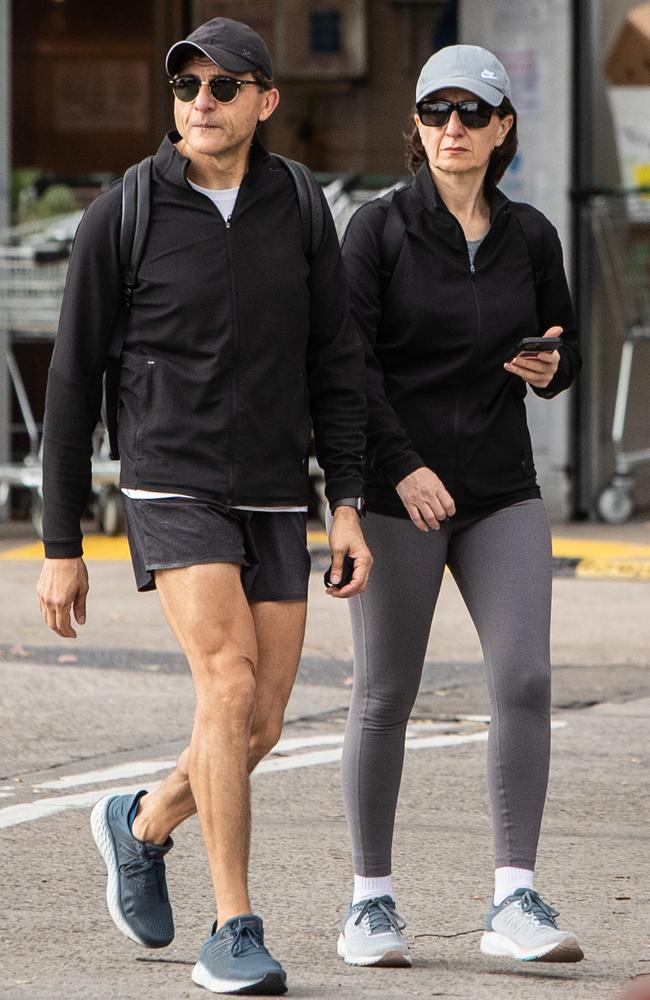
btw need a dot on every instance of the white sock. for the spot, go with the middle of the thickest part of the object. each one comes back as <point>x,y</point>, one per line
<point>506,880</point>
<point>368,888</point>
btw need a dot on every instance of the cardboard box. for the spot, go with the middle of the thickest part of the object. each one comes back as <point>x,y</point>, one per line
<point>627,69</point>
<point>628,62</point>
<point>631,114</point>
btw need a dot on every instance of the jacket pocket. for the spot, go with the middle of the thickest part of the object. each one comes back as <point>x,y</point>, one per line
<point>148,399</point>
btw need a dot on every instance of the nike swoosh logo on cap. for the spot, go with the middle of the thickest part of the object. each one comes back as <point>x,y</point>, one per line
<point>487,74</point>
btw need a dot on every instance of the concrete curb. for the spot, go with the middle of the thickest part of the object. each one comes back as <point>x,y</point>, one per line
<point>582,558</point>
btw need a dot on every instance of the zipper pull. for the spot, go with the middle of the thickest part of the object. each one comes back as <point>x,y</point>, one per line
<point>472,269</point>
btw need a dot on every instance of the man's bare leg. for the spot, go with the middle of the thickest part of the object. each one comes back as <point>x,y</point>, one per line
<point>206,607</point>
<point>279,631</point>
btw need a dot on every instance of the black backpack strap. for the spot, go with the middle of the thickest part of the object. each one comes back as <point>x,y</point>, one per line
<point>392,236</point>
<point>136,206</point>
<point>310,203</point>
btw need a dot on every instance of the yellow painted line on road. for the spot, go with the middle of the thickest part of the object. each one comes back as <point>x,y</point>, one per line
<point>34,551</point>
<point>615,569</point>
<point>97,548</point>
<point>101,548</point>
<point>597,559</point>
<point>588,548</point>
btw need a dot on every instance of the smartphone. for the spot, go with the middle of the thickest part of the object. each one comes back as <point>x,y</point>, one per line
<point>346,575</point>
<point>530,346</point>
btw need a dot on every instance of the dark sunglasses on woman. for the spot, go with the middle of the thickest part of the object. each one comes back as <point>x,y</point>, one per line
<point>473,114</point>
<point>224,89</point>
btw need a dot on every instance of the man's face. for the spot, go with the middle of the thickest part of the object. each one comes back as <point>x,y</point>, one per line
<point>212,129</point>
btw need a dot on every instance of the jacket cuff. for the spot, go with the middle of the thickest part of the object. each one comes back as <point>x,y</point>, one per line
<point>400,467</point>
<point>342,489</point>
<point>63,550</point>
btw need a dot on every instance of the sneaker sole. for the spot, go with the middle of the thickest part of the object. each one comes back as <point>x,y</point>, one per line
<point>271,985</point>
<point>394,958</point>
<point>499,946</point>
<point>104,840</point>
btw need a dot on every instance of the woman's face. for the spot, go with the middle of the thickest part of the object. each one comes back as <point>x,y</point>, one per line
<point>456,149</point>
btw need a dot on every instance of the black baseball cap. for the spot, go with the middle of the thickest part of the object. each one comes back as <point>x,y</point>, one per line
<point>231,44</point>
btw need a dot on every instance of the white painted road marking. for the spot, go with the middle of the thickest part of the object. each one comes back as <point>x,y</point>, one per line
<point>139,767</point>
<point>131,770</point>
<point>28,812</point>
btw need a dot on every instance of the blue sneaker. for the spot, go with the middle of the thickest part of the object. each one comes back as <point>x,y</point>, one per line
<point>234,960</point>
<point>136,892</point>
<point>523,926</point>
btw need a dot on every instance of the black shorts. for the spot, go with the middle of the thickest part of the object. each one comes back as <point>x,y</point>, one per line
<point>270,547</point>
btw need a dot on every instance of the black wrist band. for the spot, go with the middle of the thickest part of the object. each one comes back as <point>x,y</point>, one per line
<point>358,503</point>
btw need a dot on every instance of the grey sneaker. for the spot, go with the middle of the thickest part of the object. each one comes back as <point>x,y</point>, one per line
<point>371,934</point>
<point>234,960</point>
<point>136,892</point>
<point>523,926</point>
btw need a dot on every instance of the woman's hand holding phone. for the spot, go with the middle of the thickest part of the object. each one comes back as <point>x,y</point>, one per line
<point>537,369</point>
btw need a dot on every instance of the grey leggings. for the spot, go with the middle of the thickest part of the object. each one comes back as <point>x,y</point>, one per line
<point>502,565</point>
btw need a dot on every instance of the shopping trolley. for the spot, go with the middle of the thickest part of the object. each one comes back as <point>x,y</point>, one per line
<point>32,279</point>
<point>621,229</point>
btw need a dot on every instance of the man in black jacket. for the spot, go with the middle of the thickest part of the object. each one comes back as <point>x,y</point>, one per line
<point>235,339</point>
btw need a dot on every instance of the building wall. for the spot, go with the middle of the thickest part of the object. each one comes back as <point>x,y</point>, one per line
<point>354,122</point>
<point>90,93</point>
<point>533,39</point>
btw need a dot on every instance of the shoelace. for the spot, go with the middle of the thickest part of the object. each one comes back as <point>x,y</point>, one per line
<point>138,866</point>
<point>245,938</point>
<point>381,916</point>
<point>532,902</point>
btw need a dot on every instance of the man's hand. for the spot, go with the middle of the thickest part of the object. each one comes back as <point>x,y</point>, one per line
<point>540,369</point>
<point>426,499</point>
<point>346,539</point>
<point>62,585</point>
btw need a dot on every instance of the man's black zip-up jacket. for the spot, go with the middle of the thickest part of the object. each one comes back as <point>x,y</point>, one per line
<point>234,340</point>
<point>437,333</point>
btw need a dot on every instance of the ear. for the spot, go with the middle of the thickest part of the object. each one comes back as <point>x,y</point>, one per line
<point>271,99</point>
<point>505,124</point>
<point>418,125</point>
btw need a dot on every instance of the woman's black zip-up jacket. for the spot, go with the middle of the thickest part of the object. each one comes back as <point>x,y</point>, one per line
<point>437,333</point>
<point>234,340</point>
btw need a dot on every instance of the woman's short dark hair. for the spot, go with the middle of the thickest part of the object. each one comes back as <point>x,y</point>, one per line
<point>501,158</point>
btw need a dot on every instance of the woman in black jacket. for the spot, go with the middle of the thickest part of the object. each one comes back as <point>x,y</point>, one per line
<point>447,277</point>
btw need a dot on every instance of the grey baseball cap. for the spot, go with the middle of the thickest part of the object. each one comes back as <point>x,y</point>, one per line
<point>468,67</point>
<point>230,44</point>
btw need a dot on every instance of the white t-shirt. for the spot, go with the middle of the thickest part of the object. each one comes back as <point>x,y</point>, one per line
<point>225,201</point>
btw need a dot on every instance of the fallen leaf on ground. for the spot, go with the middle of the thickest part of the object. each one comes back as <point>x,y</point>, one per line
<point>19,650</point>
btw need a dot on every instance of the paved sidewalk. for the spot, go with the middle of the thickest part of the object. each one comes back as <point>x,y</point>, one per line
<point>114,708</point>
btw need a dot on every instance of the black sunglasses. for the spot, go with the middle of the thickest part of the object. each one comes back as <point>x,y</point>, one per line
<point>473,114</point>
<point>224,89</point>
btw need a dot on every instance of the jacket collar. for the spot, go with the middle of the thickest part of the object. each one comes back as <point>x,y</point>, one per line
<point>173,166</point>
<point>427,193</point>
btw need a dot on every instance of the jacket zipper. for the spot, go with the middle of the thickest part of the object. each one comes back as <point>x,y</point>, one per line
<point>477,304</point>
<point>235,327</point>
